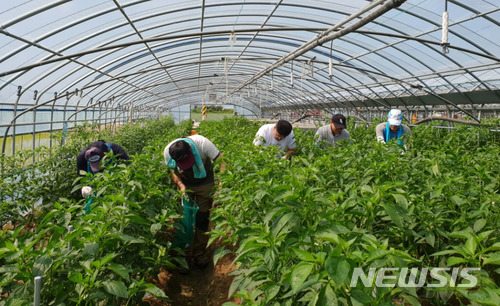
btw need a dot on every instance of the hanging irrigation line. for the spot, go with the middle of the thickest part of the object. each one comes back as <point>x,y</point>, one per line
<point>444,38</point>
<point>326,36</point>
<point>214,33</point>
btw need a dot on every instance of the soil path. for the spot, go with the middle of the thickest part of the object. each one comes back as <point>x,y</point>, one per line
<point>202,287</point>
<point>198,287</point>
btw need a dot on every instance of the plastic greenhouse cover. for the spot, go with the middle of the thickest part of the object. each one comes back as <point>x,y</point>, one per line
<point>179,58</point>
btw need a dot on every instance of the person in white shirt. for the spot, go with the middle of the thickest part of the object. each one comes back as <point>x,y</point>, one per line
<point>279,134</point>
<point>190,160</point>
<point>330,134</point>
<point>393,129</point>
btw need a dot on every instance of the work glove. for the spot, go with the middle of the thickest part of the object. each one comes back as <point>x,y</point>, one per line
<point>86,191</point>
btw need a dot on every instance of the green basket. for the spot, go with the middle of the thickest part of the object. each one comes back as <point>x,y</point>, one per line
<point>185,231</point>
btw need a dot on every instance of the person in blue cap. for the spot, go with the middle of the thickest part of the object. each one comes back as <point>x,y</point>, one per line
<point>393,129</point>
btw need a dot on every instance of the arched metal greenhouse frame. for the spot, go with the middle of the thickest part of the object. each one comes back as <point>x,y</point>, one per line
<point>111,62</point>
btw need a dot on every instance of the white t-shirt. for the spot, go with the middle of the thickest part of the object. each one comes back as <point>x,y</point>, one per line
<point>205,147</point>
<point>324,134</point>
<point>265,137</point>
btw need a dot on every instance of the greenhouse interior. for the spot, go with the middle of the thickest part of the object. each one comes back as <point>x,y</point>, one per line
<point>220,152</point>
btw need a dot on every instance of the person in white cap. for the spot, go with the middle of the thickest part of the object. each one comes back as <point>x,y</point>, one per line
<point>332,133</point>
<point>393,129</point>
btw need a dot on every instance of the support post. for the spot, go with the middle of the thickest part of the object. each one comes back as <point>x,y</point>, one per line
<point>70,229</point>
<point>38,287</point>
<point>204,112</point>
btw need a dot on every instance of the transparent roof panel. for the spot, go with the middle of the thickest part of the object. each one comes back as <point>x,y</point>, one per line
<point>151,52</point>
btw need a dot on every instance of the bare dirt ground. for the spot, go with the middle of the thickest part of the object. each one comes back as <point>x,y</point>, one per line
<point>199,287</point>
<point>202,287</point>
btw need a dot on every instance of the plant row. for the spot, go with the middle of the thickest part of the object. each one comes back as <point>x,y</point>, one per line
<point>301,227</point>
<point>107,256</point>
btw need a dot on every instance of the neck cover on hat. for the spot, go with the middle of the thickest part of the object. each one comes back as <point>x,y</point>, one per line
<point>398,134</point>
<point>198,167</point>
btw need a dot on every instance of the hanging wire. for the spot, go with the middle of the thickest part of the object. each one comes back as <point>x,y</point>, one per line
<point>291,75</point>
<point>304,71</point>
<point>272,79</point>
<point>267,95</point>
<point>12,84</point>
<point>301,90</point>
<point>232,39</point>
<point>444,40</point>
<point>231,42</point>
<point>226,73</point>
<point>330,62</point>
<point>311,67</point>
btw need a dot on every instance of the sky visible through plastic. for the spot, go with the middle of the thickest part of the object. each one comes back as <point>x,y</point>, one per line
<point>384,58</point>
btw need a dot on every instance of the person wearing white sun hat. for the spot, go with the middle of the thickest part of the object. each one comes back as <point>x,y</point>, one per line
<point>393,129</point>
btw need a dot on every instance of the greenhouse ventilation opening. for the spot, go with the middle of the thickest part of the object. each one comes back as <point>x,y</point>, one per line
<point>122,69</point>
